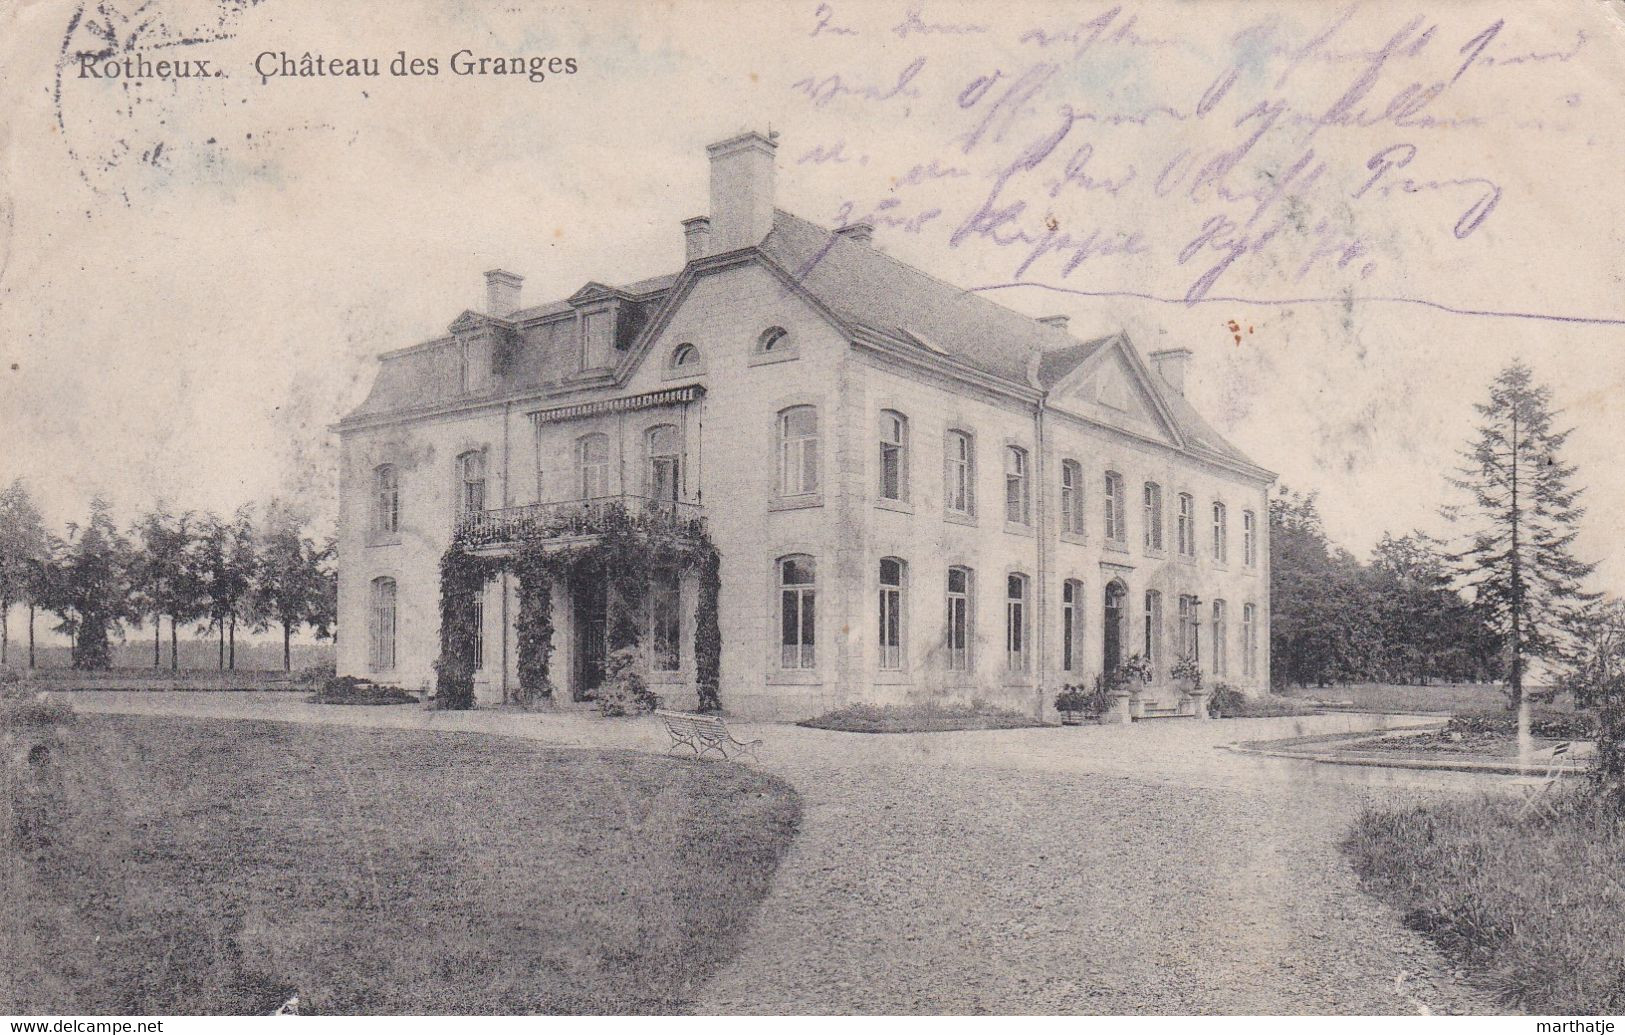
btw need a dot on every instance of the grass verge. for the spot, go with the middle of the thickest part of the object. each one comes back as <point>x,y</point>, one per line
<point>920,718</point>
<point>1534,903</point>
<point>177,866</point>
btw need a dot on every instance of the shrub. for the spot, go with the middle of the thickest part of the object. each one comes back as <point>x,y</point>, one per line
<point>318,674</point>
<point>353,690</point>
<point>625,690</point>
<point>1225,700</point>
<point>1550,725</point>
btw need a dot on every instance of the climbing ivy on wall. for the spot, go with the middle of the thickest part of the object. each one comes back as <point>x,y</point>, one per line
<point>626,554</point>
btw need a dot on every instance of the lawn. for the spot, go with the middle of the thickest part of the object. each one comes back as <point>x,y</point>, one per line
<point>1534,902</point>
<point>920,718</point>
<point>189,866</point>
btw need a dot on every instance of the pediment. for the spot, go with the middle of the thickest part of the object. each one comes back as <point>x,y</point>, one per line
<point>469,321</point>
<point>1113,387</point>
<point>592,291</point>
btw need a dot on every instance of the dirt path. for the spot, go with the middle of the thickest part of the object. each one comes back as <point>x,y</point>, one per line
<point>1095,870</point>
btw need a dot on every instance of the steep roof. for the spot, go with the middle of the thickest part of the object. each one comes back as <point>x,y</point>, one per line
<point>857,283</point>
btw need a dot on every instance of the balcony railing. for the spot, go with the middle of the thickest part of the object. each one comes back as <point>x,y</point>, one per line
<point>568,518</point>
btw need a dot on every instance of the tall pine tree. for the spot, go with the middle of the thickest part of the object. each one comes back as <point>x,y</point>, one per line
<point>1521,521</point>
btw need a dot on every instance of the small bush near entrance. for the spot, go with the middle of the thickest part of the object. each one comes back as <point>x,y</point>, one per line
<point>1535,902</point>
<point>350,690</point>
<point>1226,702</point>
<point>921,718</point>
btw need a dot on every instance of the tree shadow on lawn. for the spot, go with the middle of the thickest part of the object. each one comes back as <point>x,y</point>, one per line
<point>177,866</point>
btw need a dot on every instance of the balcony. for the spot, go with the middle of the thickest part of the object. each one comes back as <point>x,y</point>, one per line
<point>573,519</point>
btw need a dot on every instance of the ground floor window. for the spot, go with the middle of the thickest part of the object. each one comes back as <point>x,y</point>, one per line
<point>1015,623</point>
<point>1153,626</point>
<point>959,619</point>
<point>891,613</point>
<point>665,622</point>
<point>1071,592</point>
<point>381,648</point>
<point>1190,629</point>
<point>1221,639</point>
<point>1249,639</point>
<point>798,592</point>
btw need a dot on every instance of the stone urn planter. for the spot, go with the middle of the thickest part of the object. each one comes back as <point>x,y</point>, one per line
<point>1122,708</point>
<point>1196,695</point>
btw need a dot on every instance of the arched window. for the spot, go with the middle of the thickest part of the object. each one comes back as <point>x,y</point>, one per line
<point>592,465</point>
<point>685,355</point>
<point>1187,525</point>
<point>1114,508</point>
<point>1017,505</point>
<point>1249,640</point>
<point>893,455</point>
<point>662,464</point>
<point>1071,626</point>
<point>960,631</point>
<point>798,451</point>
<point>1221,534</point>
<point>1071,497</point>
<point>386,514</point>
<point>774,339</point>
<point>1015,623</point>
<point>381,632</point>
<point>959,473</point>
<point>798,593</point>
<point>471,482</point>
<point>1153,626</point>
<point>892,571</point>
<point>1221,639</point>
<point>1153,516</point>
<point>1249,539</point>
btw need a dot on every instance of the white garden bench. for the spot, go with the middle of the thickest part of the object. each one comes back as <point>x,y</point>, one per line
<point>703,734</point>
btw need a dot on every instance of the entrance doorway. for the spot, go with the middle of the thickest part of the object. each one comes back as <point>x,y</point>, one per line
<point>1112,626</point>
<point>590,619</point>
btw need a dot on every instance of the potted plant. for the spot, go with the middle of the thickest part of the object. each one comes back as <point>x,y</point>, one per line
<point>1073,702</point>
<point>1188,677</point>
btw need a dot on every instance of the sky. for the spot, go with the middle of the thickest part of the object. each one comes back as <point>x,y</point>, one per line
<point>1353,216</point>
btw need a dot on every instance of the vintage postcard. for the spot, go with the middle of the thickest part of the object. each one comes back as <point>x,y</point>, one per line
<point>832,507</point>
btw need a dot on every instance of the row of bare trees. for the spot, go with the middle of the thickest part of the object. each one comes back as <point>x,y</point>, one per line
<point>190,568</point>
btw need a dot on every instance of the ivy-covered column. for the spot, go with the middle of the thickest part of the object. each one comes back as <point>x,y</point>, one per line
<point>462,578</point>
<point>708,632</point>
<point>535,627</point>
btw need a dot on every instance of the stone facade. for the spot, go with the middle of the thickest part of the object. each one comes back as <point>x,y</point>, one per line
<point>678,389</point>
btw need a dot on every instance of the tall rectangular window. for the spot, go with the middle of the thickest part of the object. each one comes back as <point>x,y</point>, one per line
<point>1190,628</point>
<point>891,613</point>
<point>798,593</point>
<point>1016,501</point>
<point>665,621</point>
<point>1071,597</point>
<point>1153,626</point>
<point>387,497</point>
<point>471,482</point>
<point>1015,623</point>
<point>1186,529</point>
<point>959,474</point>
<point>1249,539</point>
<point>1221,545</point>
<point>1071,497</point>
<point>798,451</point>
<point>1153,516</point>
<point>1249,640</point>
<point>893,456</point>
<point>959,619</point>
<point>381,648</point>
<point>592,465</point>
<point>662,472</point>
<point>1221,639</point>
<point>1114,507</point>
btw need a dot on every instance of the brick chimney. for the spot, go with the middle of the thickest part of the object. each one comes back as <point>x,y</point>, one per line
<point>741,190</point>
<point>860,233</point>
<point>502,293</point>
<point>1058,322</point>
<point>1172,365</point>
<point>696,238</point>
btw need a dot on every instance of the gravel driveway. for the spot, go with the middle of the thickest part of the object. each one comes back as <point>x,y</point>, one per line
<point>1100,870</point>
